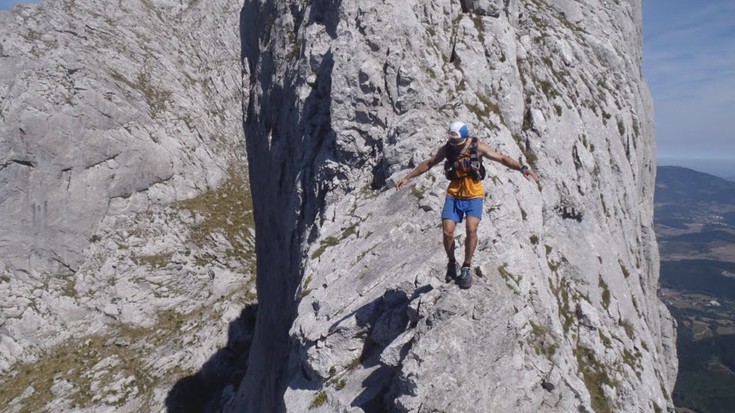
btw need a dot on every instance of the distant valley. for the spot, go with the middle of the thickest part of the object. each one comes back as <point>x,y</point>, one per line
<point>695,226</point>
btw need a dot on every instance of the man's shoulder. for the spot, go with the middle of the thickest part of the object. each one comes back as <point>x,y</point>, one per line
<point>481,143</point>
<point>487,151</point>
<point>439,154</point>
<point>483,147</point>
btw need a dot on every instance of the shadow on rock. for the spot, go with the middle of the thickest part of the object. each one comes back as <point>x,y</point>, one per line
<point>386,346</point>
<point>217,380</point>
<point>387,327</point>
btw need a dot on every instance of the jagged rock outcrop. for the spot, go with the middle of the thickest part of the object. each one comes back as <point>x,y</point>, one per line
<point>126,243</point>
<point>354,314</point>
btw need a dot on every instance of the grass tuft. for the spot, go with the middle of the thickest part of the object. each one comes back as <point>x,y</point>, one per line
<point>318,400</point>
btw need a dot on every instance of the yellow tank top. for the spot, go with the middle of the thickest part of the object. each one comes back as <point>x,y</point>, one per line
<point>465,187</point>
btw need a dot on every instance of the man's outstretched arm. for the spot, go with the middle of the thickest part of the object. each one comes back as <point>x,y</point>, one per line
<point>509,162</point>
<point>423,167</point>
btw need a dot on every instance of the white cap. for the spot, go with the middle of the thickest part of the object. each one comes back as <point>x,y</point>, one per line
<point>458,130</point>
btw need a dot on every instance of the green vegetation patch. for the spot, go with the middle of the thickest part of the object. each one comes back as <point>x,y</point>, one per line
<point>318,400</point>
<point>633,359</point>
<point>564,299</point>
<point>305,290</point>
<point>125,351</point>
<point>74,362</point>
<point>156,98</point>
<point>477,21</point>
<point>606,341</point>
<point>69,289</point>
<point>605,293</point>
<point>366,252</point>
<point>417,192</point>
<point>153,261</point>
<point>541,341</point>
<point>530,156</point>
<point>548,89</point>
<point>595,376</point>
<point>227,210</point>
<point>295,48</point>
<point>483,111</point>
<point>332,241</point>
<point>511,280</point>
<point>624,269</point>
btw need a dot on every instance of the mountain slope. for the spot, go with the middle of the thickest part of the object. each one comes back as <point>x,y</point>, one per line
<point>129,247</point>
<point>697,263</point>
<point>126,238</point>
<point>354,314</point>
<point>686,195</point>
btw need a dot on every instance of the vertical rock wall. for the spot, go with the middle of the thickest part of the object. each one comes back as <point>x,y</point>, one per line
<point>345,96</point>
<point>126,243</point>
<point>97,111</point>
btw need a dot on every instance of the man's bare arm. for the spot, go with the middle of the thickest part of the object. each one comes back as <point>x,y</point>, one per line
<point>423,167</point>
<point>488,152</point>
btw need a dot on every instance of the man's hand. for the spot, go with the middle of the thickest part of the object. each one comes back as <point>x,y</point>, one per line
<point>400,184</point>
<point>531,174</point>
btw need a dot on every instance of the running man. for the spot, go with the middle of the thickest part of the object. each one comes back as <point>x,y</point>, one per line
<point>463,167</point>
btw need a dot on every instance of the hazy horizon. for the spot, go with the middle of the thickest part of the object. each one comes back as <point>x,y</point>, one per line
<point>721,167</point>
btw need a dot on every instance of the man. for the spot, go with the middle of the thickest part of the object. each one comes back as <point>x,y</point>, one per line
<point>465,194</point>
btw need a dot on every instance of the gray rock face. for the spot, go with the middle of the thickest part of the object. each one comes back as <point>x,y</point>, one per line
<point>354,314</point>
<point>125,249</point>
<point>125,233</point>
<point>95,110</point>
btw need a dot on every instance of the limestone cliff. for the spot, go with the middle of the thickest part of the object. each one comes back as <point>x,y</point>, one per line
<point>354,315</point>
<point>125,234</point>
<point>126,242</point>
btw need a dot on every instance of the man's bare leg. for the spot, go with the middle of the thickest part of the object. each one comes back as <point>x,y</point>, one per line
<point>471,240</point>
<point>448,227</point>
<point>465,277</point>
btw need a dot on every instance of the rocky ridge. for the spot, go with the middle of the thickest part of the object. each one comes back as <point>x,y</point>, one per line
<point>130,274</point>
<point>126,238</point>
<point>354,315</point>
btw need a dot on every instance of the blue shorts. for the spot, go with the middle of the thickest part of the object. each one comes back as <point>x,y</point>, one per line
<point>455,209</point>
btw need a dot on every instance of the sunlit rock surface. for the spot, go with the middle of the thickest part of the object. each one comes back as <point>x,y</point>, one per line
<point>126,237</point>
<point>354,314</point>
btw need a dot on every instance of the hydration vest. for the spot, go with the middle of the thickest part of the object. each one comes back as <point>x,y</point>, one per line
<point>474,164</point>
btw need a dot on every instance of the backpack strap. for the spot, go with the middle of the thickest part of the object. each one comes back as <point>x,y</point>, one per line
<point>476,166</point>
<point>474,159</point>
<point>452,154</point>
<point>451,157</point>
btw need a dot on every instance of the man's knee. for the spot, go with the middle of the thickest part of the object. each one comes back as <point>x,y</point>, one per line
<point>472,228</point>
<point>448,229</point>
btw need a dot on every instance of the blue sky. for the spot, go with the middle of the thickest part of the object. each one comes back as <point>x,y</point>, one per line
<point>6,4</point>
<point>689,64</point>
